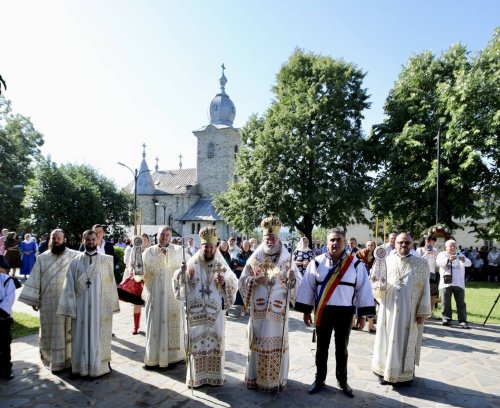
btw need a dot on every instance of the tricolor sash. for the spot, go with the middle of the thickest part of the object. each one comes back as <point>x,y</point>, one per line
<point>329,285</point>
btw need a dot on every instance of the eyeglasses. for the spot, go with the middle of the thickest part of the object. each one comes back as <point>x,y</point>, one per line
<point>404,242</point>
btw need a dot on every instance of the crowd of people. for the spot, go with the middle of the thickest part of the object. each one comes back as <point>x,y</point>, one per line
<point>187,290</point>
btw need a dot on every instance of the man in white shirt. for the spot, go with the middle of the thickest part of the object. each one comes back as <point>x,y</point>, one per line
<point>493,262</point>
<point>452,281</point>
<point>7,297</point>
<point>391,245</point>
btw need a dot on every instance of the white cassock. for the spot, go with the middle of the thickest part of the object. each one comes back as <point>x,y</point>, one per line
<point>43,290</point>
<point>206,310</point>
<point>399,338</point>
<point>268,324</point>
<point>164,314</point>
<point>89,297</point>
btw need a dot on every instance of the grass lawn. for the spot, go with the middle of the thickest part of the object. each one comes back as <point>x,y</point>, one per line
<point>24,325</point>
<point>479,297</point>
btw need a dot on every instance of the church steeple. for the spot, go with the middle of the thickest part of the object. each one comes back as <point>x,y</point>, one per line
<point>145,184</point>
<point>222,109</point>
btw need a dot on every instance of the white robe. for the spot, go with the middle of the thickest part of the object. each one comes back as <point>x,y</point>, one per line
<point>43,290</point>
<point>399,338</point>
<point>268,324</point>
<point>206,305</point>
<point>164,314</point>
<point>91,309</point>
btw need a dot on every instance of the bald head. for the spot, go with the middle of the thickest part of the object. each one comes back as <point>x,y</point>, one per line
<point>403,244</point>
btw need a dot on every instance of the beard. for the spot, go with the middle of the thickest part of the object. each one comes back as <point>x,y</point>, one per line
<point>208,256</point>
<point>90,248</point>
<point>57,249</point>
<point>403,252</point>
<point>271,250</point>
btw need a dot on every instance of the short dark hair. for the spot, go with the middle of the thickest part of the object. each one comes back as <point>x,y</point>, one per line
<point>87,233</point>
<point>336,230</point>
<point>98,226</point>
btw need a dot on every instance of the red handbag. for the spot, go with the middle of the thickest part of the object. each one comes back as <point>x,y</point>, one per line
<point>130,291</point>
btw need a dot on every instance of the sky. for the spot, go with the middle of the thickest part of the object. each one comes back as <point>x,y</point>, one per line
<point>100,78</point>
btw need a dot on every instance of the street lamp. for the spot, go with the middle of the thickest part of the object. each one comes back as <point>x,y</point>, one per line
<point>164,210</point>
<point>438,172</point>
<point>136,175</point>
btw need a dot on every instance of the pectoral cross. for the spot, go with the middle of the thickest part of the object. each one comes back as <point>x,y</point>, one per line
<point>88,283</point>
<point>219,270</point>
<point>266,265</point>
<point>205,290</point>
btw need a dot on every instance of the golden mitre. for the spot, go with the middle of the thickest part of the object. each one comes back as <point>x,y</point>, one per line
<point>208,235</point>
<point>271,225</point>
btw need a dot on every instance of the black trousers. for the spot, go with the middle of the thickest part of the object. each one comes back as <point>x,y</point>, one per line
<point>5,340</point>
<point>338,319</point>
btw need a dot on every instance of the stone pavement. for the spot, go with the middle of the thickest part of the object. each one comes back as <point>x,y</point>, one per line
<point>459,368</point>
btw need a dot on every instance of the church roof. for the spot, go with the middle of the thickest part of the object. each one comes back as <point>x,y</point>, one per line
<point>177,181</point>
<point>202,210</point>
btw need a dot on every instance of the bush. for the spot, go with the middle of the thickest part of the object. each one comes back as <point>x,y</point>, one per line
<point>120,254</point>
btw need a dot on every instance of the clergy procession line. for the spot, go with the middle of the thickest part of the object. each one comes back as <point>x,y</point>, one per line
<point>186,299</point>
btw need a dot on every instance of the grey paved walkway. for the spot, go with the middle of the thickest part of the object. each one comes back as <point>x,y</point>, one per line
<point>459,368</point>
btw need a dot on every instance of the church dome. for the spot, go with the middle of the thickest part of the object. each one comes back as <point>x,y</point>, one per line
<point>222,109</point>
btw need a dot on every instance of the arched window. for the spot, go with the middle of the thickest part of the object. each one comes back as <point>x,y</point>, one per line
<point>198,228</point>
<point>193,228</point>
<point>235,150</point>
<point>170,219</point>
<point>211,150</point>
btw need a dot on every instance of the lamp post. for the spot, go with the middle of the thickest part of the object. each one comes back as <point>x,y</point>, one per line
<point>136,175</point>
<point>164,210</point>
<point>438,170</point>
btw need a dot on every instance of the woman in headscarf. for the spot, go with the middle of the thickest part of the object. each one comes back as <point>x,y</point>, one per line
<point>28,250</point>
<point>130,289</point>
<point>303,255</point>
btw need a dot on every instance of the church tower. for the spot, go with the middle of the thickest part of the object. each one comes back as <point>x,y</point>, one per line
<point>218,144</point>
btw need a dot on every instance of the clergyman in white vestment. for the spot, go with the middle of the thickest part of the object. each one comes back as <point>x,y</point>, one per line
<point>89,297</point>
<point>42,292</point>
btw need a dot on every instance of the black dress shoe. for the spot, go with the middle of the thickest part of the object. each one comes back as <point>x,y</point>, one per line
<point>9,376</point>
<point>316,387</point>
<point>404,384</point>
<point>346,389</point>
<point>382,381</point>
<point>149,367</point>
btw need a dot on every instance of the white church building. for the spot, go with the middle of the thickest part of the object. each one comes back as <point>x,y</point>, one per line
<point>182,198</point>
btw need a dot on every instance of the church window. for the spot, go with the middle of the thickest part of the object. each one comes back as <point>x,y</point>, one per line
<point>211,150</point>
<point>170,219</point>
<point>235,150</point>
<point>193,228</point>
<point>199,227</point>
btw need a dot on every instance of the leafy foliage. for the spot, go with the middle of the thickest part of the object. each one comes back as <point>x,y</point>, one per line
<point>462,91</point>
<point>20,144</point>
<point>73,197</point>
<point>303,157</point>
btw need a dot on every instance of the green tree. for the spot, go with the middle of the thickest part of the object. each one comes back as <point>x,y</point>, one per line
<point>20,145</point>
<point>73,197</point>
<point>303,160</point>
<point>427,92</point>
<point>474,107</point>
